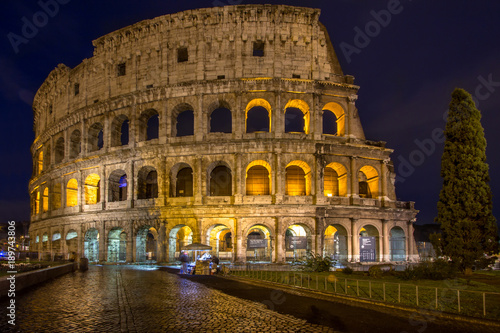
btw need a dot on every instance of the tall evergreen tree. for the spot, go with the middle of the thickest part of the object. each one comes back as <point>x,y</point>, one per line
<point>469,229</point>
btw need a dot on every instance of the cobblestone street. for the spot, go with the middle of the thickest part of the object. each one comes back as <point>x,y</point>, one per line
<point>135,299</point>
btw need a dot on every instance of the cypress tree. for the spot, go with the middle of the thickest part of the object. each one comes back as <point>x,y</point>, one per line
<point>469,229</point>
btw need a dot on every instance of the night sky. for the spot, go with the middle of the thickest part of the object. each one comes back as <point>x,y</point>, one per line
<point>407,70</point>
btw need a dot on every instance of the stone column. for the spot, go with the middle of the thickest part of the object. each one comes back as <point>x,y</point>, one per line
<point>279,240</point>
<point>238,180</point>
<point>385,241</point>
<point>278,121</point>
<point>383,181</point>
<point>354,178</point>
<point>103,242</point>
<point>131,246</point>
<point>355,240</point>
<point>319,235</point>
<point>278,175</point>
<point>198,181</point>
<point>240,240</point>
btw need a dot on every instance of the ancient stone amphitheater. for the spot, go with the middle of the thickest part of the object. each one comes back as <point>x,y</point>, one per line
<point>232,126</point>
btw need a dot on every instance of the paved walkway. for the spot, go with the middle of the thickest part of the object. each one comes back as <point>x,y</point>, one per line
<point>135,299</point>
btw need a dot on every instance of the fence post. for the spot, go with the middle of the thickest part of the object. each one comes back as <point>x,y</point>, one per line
<point>346,286</point>
<point>416,293</point>
<point>326,286</point>
<point>458,299</point>
<point>335,285</point>
<point>357,287</point>
<point>370,288</point>
<point>399,292</point>
<point>437,298</point>
<point>484,304</point>
<point>383,287</point>
<point>317,287</point>
<point>300,280</point>
<point>308,281</point>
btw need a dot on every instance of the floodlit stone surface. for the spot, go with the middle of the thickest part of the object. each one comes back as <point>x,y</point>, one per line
<point>217,126</point>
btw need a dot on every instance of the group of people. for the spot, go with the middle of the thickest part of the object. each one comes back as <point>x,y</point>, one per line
<point>206,257</point>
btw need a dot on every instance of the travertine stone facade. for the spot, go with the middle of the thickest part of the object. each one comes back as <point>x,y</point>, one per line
<point>217,126</point>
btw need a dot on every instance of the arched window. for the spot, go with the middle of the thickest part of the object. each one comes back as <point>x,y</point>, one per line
<point>398,244</point>
<point>220,181</point>
<point>185,123</point>
<point>258,116</point>
<point>72,193</point>
<point>368,182</point>
<point>184,183</point>
<point>297,116</point>
<point>59,151</point>
<point>149,125</point>
<point>335,180</point>
<point>46,160</point>
<point>37,202</point>
<point>148,183</point>
<point>333,119</point>
<point>56,196</point>
<point>329,123</point>
<point>120,131</point>
<point>96,137</point>
<point>40,162</point>
<point>257,180</point>
<point>92,189</point>
<point>75,145</point>
<point>220,121</point>
<point>295,181</point>
<point>117,186</point>
<point>45,200</point>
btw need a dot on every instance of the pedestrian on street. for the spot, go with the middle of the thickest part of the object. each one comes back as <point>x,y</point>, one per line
<point>184,260</point>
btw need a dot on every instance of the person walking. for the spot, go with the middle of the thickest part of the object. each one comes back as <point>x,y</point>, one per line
<point>184,261</point>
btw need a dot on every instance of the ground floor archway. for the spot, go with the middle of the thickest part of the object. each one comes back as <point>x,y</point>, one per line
<point>220,238</point>
<point>117,245</point>
<point>258,244</point>
<point>297,242</point>
<point>146,244</point>
<point>91,245</point>
<point>335,243</point>
<point>180,236</point>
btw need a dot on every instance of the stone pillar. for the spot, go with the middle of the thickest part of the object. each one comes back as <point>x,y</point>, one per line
<point>161,243</point>
<point>240,240</point>
<point>131,179</point>
<point>131,239</point>
<point>278,175</point>
<point>355,240</point>
<point>103,242</point>
<point>279,240</point>
<point>410,243</point>
<point>238,180</point>
<point>278,120</point>
<point>198,181</point>
<point>383,181</point>
<point>199,126</point>
<point>106,134</point>
<point>385,241</point>
<point>162,125</point>
<point>319,235</point>
<point>354,178</point>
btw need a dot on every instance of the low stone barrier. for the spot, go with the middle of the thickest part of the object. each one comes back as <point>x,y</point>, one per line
<point>28,279</point>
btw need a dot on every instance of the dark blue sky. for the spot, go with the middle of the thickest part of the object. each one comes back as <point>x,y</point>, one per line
<point>407,71</point>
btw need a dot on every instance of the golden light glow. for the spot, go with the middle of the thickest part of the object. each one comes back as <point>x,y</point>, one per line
<point>302,106</point>
<point>37,202</point>
<point>339,114</point>
<point>335,180</point>
<point>45,200</point>
<point>40,162</point>
<point>56,196</point>
<point>258,102</point>
<point>298,178</point>
<point>258,178</point>
<point>298,230</point>
<point>330,231</point>
<point>260,228</point>
<point>369,175</point>
<point>92,189</point>
<point>72,193</point>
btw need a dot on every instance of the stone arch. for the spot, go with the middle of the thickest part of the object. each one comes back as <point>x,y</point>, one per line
<point>335,180</point>
<point>117,245</point>
<point>220,238</point>
<point>298,240</point>
<point>117,186</point>
<point>55,246</point>
<point>91,245</point>
<point>47,157</point>
<point>335,244</point>
<point>258,178</point>
<point>72,193</point>
<point>146,244</point>
<point>368,182</point>
<point>369,230</point>
<point>147,183</point>
<point>59,150</point>
<point>397,244</point>
<point>338,128</point>
<point>92,189</point>
<point>149,123</point>
<point>95,138</point>
<point>72,244</point>
<point>220,117</point>
<point>56,196</point>
<point>183,120</point>
<point>297,121</point>
<point>75,144</point>
<point>256,118</point>
<point>40,162</point>
<point>298,178</point>
<point>258,240</point>
<point>181,180</point>
<point>45,200</point>
<point>120,131</point>
<point>178,237</point>
<point>220,180</point>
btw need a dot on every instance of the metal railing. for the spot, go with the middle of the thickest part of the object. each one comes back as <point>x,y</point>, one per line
<point>467,302</point>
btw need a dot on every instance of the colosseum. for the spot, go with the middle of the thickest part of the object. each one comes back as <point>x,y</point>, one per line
<point>231,126</point>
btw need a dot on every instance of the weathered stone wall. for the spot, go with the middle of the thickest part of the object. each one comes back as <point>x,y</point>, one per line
<point>74,187</point>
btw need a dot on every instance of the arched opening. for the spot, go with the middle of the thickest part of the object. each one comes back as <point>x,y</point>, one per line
<point>118,186</point>
<point>75,145</point>
<point>184,182</point>
<point>91,245</point>
<point>183,118</point>
<point>92,189</point>
<point>369,244</point>
<point>221,120</point>
<point>72,193</point>
<point>335,180</point>
<point>368,182</point>
<point>45,200</point>
<point>333,119</point>
<point>297,242</point>
<point>37,202</point>
<point>120,131</point>
<point>149,125</point>
<point>298,178</point>
<point>96,137</point>
<point>117,245</point>
<point>56,196</point>
<point>398,244</point>
<point>45,243</point>
<point>72,244</point>
<point>297,117</point>
<point>219,237</point>
<point>220,181</point>
<point>40,162</point>
<point>258,116</point>
<point>180,236</point>
<point>146,244</point>
<point>259,245</point>
<point>335,243</point>
<point>46,160</point>
<point>55,245</point>
<point>147,183</point>
<point>258,178</point>
<point>59,150</point>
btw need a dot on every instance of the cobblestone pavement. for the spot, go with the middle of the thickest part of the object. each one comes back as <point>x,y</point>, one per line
<point>138,299</point>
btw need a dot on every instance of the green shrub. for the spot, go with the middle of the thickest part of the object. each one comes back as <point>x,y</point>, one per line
<point>439,269</point>
<point>375,272</point>
<point>348,270</point>
<point>315,263</point>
